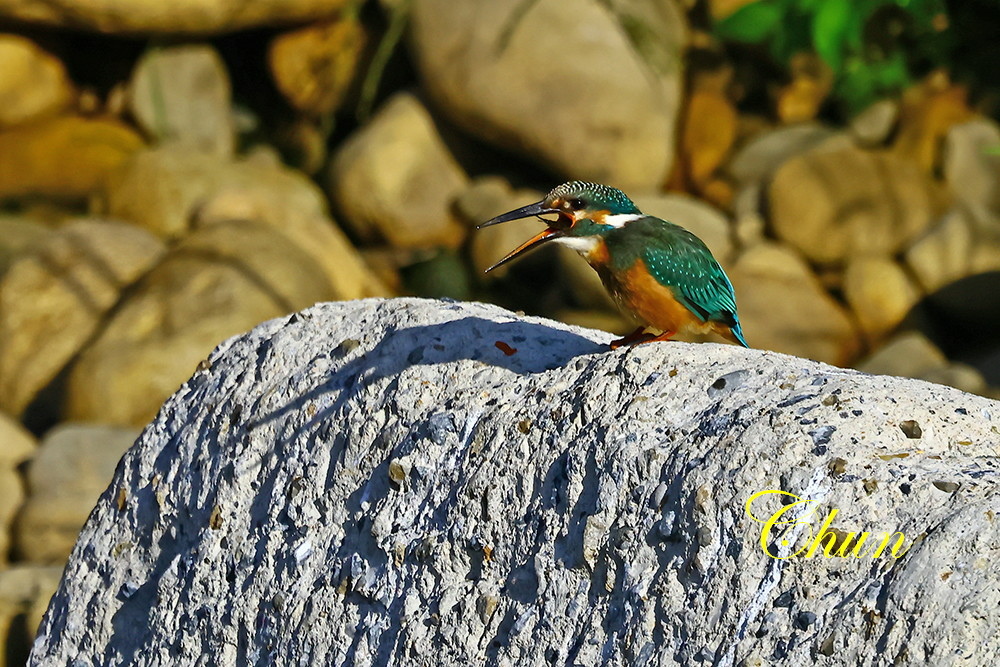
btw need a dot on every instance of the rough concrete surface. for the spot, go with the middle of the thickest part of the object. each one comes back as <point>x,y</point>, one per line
<point>378,482</point>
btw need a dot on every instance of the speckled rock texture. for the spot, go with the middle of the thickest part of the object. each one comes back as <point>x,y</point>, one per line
<point>421,482</point>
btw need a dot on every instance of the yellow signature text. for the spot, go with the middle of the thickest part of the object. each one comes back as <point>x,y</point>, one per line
<point>787,533</point>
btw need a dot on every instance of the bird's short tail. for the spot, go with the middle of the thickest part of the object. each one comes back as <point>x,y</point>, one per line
<point>735,334</point>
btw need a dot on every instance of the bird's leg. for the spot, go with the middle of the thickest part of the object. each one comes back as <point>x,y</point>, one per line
<point>666,335</point>
<point>634,338</point>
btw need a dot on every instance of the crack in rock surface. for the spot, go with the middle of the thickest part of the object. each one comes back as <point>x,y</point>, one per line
<point>379,482</point>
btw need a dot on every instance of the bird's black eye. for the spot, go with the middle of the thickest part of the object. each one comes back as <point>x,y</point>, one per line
<point>575,204</point>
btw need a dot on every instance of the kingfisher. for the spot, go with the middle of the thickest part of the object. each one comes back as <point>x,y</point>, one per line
<point>659,272</point>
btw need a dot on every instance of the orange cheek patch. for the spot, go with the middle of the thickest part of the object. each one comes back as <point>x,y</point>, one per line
<point>600,217</point>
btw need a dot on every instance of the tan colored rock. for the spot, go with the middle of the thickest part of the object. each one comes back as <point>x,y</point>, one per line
<point>749,224</point>
<point>294,206</point>
<point>960,376</point>
<point>71,469</point>
<point>872,126</point>
<point>385,262</point>
<point>306,142</point>
<point>800,99</point>
<point>291,276</point>
<point>184,17</point>
<point>758,158</point>
<point>169,191</point>
<point>11,498</point>
<point>972,165</point>
<point>52,300</point>
<point>879,292</point>
<point>25,591</point>
<point>88,149</point>
<point>160,188</point>
<point>783,307</point>
<point>487,198</point>
<point>395,180</point>
<point>611,322</point>
<point>563,82</point>
<point>834,204</point>
<point>313,66</point>
<point>182,94</point>
<point>16,447</point>
<point>708,132</point>
<point>33,82</point>
<point>16,443</point>
<point>909,354</point>
<point>942,255</point>
<point>220,281</point>
<point>928,109</point>
<point>986,254</point>
<point>18,234</point>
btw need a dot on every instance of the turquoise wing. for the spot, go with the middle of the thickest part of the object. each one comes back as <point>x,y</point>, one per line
<point>699,283</point>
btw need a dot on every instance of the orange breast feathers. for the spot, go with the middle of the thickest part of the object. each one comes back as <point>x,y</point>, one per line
<point>637,291</point>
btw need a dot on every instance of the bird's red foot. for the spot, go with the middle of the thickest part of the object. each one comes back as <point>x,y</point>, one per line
<point>666,335</point>
<point>634,338</point>
<point>639,336</point>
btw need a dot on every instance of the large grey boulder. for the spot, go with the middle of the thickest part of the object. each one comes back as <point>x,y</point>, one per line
<point>420,482</point>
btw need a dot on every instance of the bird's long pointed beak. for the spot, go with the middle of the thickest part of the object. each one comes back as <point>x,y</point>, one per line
<point>541,237</point>
<point>538,208</point>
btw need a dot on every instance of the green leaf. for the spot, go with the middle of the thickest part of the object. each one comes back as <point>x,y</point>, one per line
<point>856,88</point>
<point>829,32</point>
<point>751,23</point>
<point>807,6</point>
<point>863,82</point>
<point>923,11</point>
<point>892,74</point>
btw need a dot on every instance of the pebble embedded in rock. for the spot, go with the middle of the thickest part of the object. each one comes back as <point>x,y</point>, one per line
<point>910,429</point>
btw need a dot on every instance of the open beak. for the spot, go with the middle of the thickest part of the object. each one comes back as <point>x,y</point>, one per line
<point>535,241</point>
<point>538,208</point>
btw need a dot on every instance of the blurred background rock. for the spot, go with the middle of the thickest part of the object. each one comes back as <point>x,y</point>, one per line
<point>171,174</point>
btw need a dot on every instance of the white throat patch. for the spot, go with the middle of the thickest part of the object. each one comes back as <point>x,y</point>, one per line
<point>620,219</point>
<point>582,244</point>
